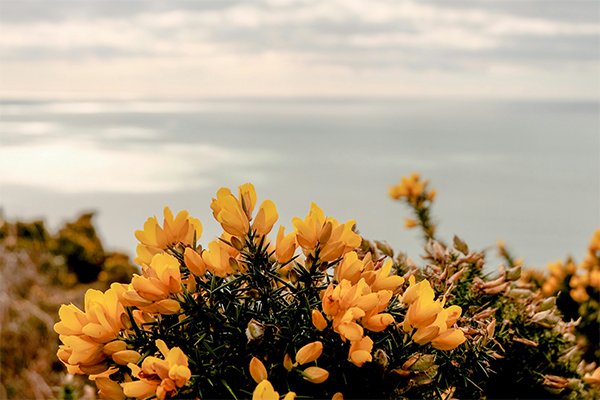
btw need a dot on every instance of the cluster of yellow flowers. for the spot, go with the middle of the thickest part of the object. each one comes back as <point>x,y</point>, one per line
<point>355,292</point>
<point>429,319</point>
<point>587,275</point>
<point>412,188</point>
<point>89,338</point>
<point>416,194</point>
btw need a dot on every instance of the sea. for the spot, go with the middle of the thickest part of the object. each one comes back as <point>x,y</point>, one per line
<point>525,172</point>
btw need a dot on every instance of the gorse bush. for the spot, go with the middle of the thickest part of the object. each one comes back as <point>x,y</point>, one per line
<point>318,313</point>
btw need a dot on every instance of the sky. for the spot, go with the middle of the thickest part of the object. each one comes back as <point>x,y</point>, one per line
<point>123,107</point>
<point>286,48</point>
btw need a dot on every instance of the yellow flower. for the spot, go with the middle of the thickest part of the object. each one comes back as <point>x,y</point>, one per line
<point>410,223</point>
<point>318,320</point>
<point>125,357</point>
<point>430,332</point>
<point>449,340</point>
<point>338,396</point>
<point>194,262</point>
<point>258,370</point>
<point>343,233</point>
<point>383,280</point>
<point>287,362</point>
<point>160,279</point>
<point>377,322</point>
<point>217,258</point>
<point>579,295</point>
<point>141,389</point>
<point>109,389</point>
<point>350,268</point>
<point>315,374</point>
<point>84,334</point>
<point>454,313</point>
<point>594,378</point>
<point>410,187</point>
<point>285,246</point>
<point>421,313</point>
<point>230,213</point>
<point>154,239</point>
<point>360,351</point>
<point>415,291</point>
<point>264,391</point>
<point>265,218</point>
<point>160,377</point>
<point>334,238</point>
<point>309,353</point>
<point>431,194</point>
<point>309,230</point>
<point>247,196</point>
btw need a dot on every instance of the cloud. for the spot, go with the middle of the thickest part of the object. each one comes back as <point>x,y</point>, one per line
<point>293,48</point>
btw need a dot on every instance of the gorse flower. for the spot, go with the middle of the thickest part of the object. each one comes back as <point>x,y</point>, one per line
<point>160,377</point>
<point>154,239</point>
<point>317,311</point>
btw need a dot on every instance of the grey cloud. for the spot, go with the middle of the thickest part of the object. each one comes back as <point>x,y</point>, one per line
<point>28,11</point>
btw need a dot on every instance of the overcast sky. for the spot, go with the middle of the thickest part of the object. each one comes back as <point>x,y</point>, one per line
<point>202,49</point>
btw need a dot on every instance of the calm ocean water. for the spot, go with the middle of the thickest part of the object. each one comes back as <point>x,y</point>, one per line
<point>524,172</point>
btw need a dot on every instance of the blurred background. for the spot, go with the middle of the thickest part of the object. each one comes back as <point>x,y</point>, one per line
<point>112,110</point>
<point>124,107</point>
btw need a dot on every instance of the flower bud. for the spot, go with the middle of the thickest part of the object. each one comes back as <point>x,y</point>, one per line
<point>318,320</point>
<point>460,245</point>
<point>338,396</point>
<point>547,303</point>
<point>293,276</point>
<point>517,293</point>
<point>168,306</point>
<point>125,357</point>
<point>236,243</point>
<point>309,353</point>
<point>94,369</point>
<point>194,262</point>
<point>287,362</point>
<point>109,389</point>
<point>514,273</point>
<point>126,321</point>
<point>315,374</point>
<point>257,370</point>
<point>409,223</point>
<point>191,284</point>
<point>114,346</point>
<point>326,232</point>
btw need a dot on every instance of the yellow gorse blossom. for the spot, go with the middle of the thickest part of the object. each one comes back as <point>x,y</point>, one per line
<point>265,218</point>
<point>285,246</point>
<point>84,334</point>
<point>154,239</point>
<point>346,289</point>
<point>427,320</point>
<point>157,376</point>
<point>315,374</point>
<point>258,370</point>
<point>264,391</point>
<point>230,214</point>
<point>410,187</point>
<point>309,353</point>
<point>335,239</point>
<point>151,292</point>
